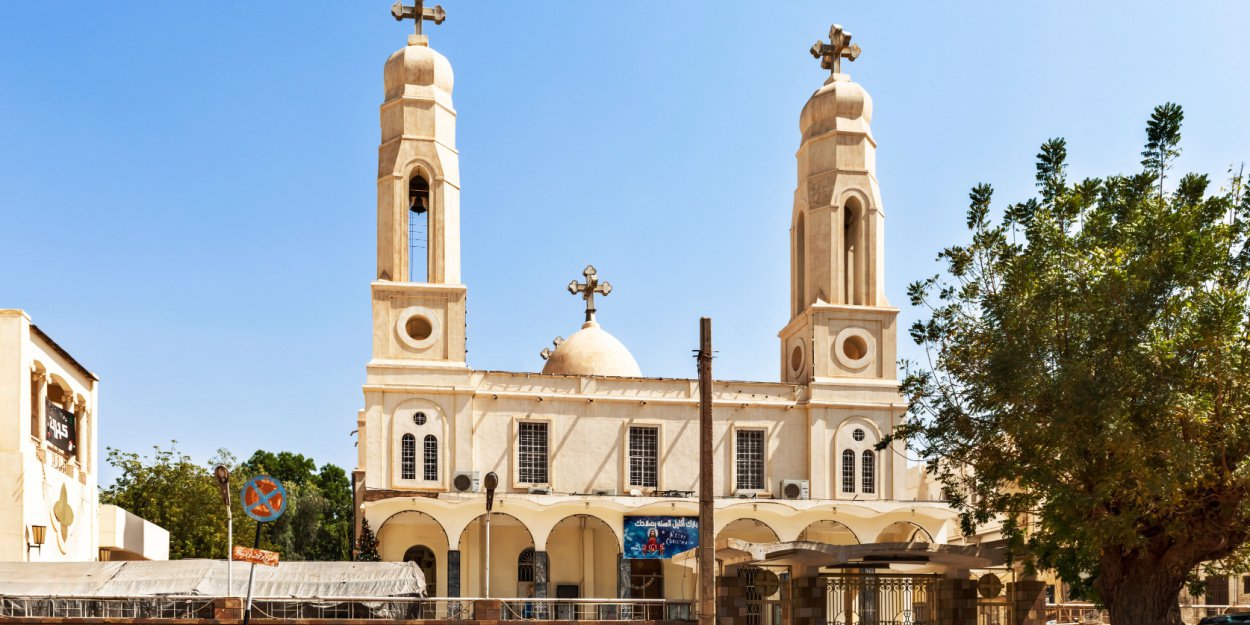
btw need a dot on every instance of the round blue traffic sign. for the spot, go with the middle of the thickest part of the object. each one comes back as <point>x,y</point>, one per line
<point>263,498</point>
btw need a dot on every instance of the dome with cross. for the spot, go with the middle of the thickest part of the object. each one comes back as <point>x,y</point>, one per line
<point>591,350</point>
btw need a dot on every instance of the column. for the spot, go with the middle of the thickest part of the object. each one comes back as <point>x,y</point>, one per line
<point>453,572</point>
<point>82,424</point>
<point>957,601</point>
<point>541,567</point>
<point>40,409</point>
<point>622,576</point>
<point>1027,599</point>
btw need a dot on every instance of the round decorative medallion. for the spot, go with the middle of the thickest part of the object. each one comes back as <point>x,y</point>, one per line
<point>417,327</point>
<point>854,348</point>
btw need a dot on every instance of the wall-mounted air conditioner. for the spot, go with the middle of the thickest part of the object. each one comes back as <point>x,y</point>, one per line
<point>466,482</point>
<point>795,489</point>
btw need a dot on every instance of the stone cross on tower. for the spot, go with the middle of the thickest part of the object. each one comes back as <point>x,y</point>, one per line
<point>588,289</point>
<point>418,13</point>
<point>839,47</point>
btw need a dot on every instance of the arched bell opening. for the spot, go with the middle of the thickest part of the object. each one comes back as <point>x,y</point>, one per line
<point>418,229</point>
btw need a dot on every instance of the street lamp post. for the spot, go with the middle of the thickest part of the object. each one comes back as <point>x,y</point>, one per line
<point>490,481</point>
<point>222,474</point>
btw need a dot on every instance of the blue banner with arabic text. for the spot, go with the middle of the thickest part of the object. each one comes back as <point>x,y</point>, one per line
<point>660,536</point>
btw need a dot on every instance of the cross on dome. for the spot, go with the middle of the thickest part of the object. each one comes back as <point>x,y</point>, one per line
<point>838,48</point>
<point>418,13</point>
<point>588,289</point>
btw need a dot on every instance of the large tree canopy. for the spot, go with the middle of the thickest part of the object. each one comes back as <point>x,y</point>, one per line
<point>171,490</point>
<point>1088,379</point>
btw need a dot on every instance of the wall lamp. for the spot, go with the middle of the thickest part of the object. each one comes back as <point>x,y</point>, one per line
<point>37,535</point>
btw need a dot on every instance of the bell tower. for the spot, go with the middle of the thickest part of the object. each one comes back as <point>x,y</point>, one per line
<point>841,325</point>
<point>418,300</point>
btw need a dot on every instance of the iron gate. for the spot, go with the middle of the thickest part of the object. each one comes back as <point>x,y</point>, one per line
<point>880,599</point>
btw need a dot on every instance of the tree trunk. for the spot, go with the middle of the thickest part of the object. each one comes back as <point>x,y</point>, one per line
<point>1140,590</point>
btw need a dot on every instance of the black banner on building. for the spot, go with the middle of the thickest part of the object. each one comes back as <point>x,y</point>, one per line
<point>62,431</point>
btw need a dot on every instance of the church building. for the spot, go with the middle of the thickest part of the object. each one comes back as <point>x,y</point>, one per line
<point>598,463</point>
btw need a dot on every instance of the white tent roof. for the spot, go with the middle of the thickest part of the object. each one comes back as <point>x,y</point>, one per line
<point>208,578</point>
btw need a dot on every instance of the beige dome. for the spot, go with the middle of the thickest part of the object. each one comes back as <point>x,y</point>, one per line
<point>417,65</point>
<point>592,351</point>
<point>839,105</point>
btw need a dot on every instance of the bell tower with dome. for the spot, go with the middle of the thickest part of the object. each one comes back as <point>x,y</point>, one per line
<point>841,326</point>
<point>588,460</point>
<point>418,299</point>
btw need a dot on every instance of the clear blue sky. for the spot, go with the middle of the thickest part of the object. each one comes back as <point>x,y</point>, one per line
<point>187,190</point>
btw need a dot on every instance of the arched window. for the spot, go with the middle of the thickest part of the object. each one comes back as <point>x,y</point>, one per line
<point>869,471</point>
<point>525,565</point>
<point>408,457</point>
<point>429,459</point>
<point>850,259</point>
<point>848,471</point>
<point>424,557</point>
<point>418,229</point>
<point>800,263</point>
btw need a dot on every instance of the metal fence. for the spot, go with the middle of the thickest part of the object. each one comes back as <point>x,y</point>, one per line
<point>107,607</point>
<point>1090,614</point>
<point>356,608</point>
<point>880,599</point>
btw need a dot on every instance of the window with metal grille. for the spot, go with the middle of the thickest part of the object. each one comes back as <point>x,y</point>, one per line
<point>869,471</point>
<point>430,459</point>
<point>643,456</point>
<point>848,471</point>
<point>525,565</point>
<point>532,452</point>
<point>750,459</point>
<point>408,457</point>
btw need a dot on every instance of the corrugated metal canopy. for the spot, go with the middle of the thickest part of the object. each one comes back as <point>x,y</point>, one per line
<point>208,578</point>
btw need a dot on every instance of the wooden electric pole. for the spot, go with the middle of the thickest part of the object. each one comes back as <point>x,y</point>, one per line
<point>707,550</point>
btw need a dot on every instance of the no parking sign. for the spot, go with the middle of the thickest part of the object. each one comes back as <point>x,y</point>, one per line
<point>263,498</point>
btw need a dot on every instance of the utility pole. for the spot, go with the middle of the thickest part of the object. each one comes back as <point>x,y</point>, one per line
<point>222,475</point>
<point>707,550</point>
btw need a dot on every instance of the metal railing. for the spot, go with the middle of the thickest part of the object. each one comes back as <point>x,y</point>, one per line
<point>355,608</point>
<point>1075,613</point>
<point>107,607</point>
<point>361,608</point>
<point>596,610</point>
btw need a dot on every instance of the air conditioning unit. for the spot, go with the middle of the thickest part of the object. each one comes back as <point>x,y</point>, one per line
<point>605,492</point>
<point>540,490</point>
<point>466,482</point>
<point>795,489</point>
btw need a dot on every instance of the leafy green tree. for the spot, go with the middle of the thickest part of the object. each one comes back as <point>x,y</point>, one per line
<point>1089,382</point>
<point>317,523</point>
<point>172,491</point>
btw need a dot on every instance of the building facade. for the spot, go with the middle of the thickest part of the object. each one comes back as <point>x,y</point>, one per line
<point>49,459</point>
<point>595,460</point>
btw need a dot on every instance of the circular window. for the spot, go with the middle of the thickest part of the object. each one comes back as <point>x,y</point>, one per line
<point>858,434</point>
<point>419,418</point>
<point>796,357</point>
<point>854,348</point>
<point>417,327</point>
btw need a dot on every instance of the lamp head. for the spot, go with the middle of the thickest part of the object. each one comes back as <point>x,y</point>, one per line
<point>37,534</point>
